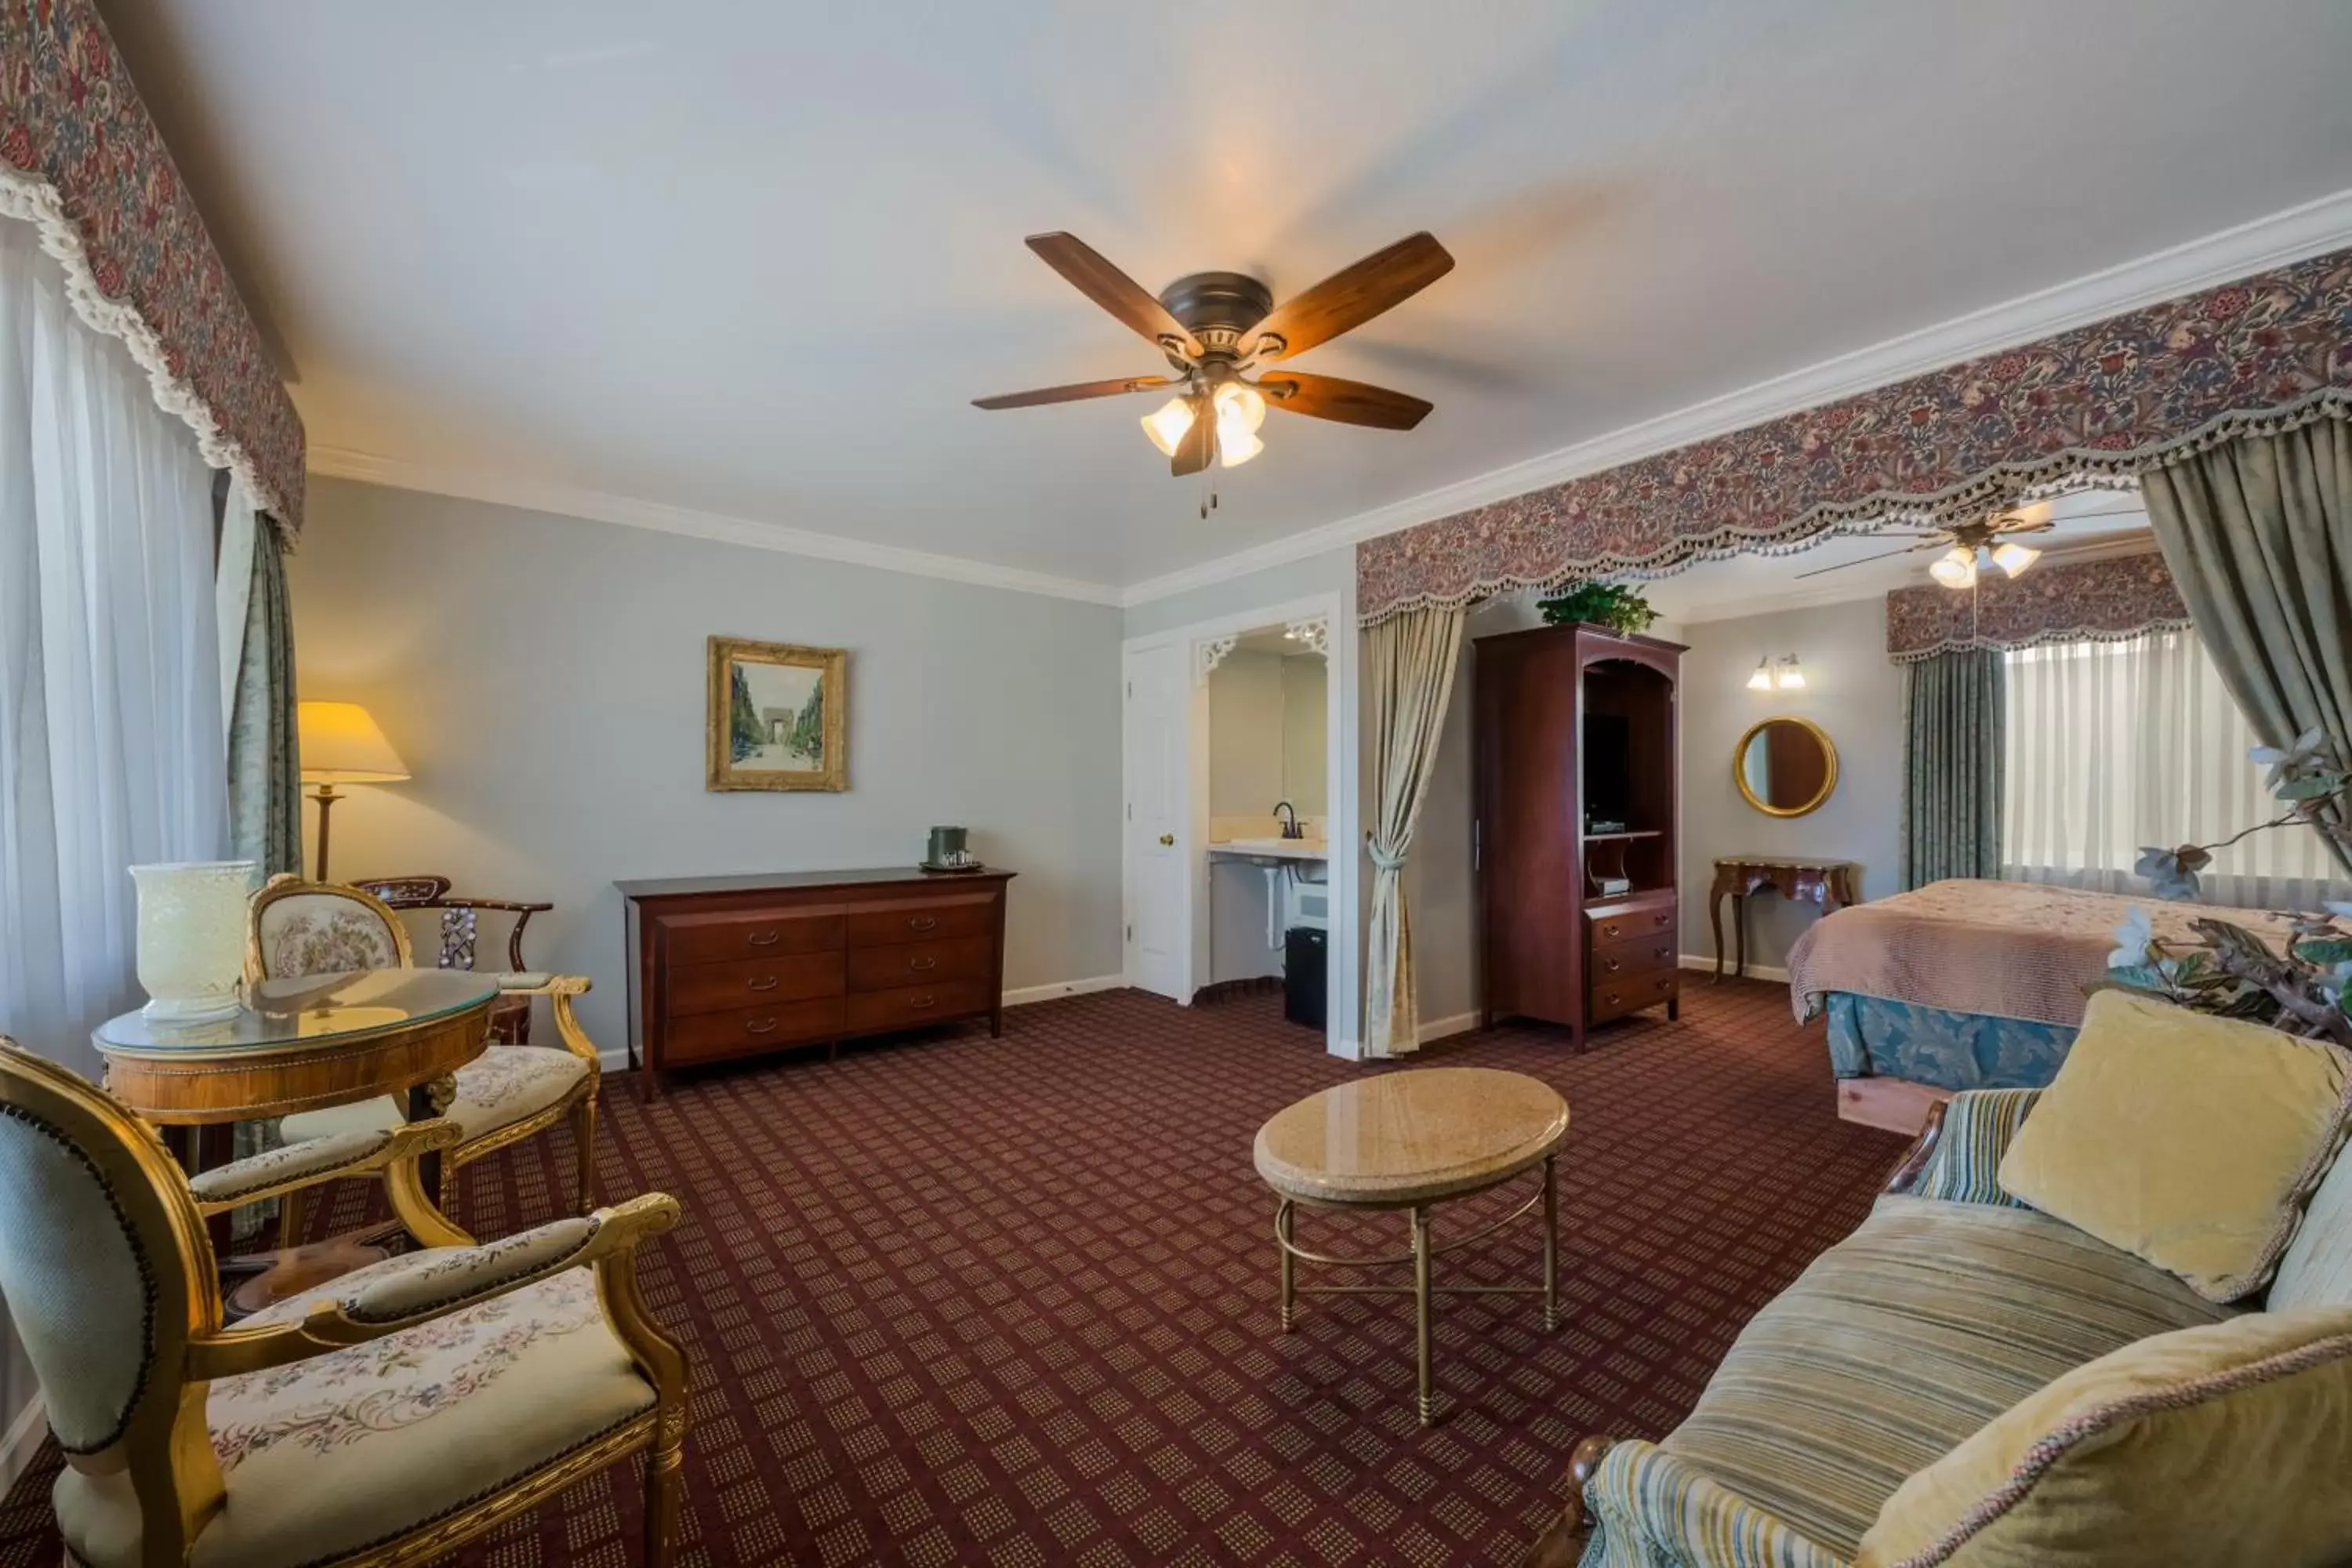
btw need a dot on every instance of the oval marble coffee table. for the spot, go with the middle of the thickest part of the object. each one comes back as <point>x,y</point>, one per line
<point>1411,1139</point>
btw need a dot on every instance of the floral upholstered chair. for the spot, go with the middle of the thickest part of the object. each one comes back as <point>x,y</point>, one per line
<point>385,1418</point>
<point>504,1095</point>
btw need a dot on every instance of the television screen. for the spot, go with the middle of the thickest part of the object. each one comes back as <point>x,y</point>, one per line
<point>1607,769</point>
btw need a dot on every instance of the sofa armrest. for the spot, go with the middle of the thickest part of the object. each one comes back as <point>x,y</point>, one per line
<point>1963,1146</point>
<point>1649,1507</point>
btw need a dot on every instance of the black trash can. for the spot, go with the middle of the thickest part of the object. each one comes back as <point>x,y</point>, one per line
<point>1303,990</point>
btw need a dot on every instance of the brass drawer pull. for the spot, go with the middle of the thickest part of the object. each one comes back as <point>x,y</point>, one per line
<point>770,939</point>
<point>1611,930</point>
<point>765,982</point>
<point>762,1027</point>
<point>927,961</point>
<point>922,922</point>
<point>919,1002</point>
<point>1662,919</point>
<point>1612,964</point>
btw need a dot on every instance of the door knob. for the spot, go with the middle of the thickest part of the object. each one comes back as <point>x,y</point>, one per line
<point>1167,839</point>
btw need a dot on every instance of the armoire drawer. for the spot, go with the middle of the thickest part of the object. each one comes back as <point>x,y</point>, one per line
<point>1615,998</point>
<point>918,963</point>
<point>754,982</point>
<point>1640,955</point>
<point>717,939</point>
<point>1631,923</point>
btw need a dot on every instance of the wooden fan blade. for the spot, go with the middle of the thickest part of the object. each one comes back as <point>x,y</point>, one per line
<point>1350,298</point>
<point>2042,527</point>
<point>1200,442</point>
<point>1883,556</point>
<point>1113,291</point>
<point>1348,402</point>
<point>1072,393</point>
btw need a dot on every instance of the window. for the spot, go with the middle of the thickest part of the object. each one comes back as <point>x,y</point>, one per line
<point>2114,745</point>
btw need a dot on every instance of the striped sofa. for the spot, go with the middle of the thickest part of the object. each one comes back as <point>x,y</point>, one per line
<point>1949,1303</point>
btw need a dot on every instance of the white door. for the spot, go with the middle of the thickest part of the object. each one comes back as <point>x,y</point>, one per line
<point>1155,859</point>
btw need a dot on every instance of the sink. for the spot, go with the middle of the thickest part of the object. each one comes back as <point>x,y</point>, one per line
<point>1284,848</point>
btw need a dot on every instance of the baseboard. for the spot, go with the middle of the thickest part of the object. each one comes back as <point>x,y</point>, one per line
<point>22,1441</point>
<point>1772,972</point>
<point>1438,1028</point>
<point>1025,995</point>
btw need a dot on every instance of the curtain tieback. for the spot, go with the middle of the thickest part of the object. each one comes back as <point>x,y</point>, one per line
<point>1384,859</point>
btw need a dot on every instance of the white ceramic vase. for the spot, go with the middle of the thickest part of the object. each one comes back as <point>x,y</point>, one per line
<point>192,938</point>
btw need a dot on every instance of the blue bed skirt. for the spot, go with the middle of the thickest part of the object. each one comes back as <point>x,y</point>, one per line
<point>1872,1036</point>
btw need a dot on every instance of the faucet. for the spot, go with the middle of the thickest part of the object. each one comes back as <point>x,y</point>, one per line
<point>1290,828</point>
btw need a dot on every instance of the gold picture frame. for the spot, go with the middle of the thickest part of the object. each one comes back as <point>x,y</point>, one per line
<point>1818,788</point>
<point>777,717</point>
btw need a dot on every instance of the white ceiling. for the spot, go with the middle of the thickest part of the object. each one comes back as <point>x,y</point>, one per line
<point>754,259</point>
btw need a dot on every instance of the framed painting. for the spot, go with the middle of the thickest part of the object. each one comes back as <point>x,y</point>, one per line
<point>779,716</point>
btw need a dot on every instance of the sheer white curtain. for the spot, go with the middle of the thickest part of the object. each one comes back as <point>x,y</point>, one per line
<point>111,751</point>
<point>2117,745</point>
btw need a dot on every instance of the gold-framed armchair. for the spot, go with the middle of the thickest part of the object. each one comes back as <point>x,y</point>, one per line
<point>461,934</point>
<point>382,1419</point>
<point>509,1093</point>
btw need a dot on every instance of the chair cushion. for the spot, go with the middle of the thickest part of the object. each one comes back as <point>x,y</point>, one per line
<point>2224,1444</point>
<point>1895,1344</point>
<point>323,934</point>
<point>358,1445</point>
<point>2189,1140</point>
<point>497,1089</point>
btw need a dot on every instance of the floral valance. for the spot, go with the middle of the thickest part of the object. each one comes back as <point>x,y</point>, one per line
<point>80,158</point>
<point>2099,402</point>
<point>2106,598</point>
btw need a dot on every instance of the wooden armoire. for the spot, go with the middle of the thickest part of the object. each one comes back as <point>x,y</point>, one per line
<point>1579,789</point>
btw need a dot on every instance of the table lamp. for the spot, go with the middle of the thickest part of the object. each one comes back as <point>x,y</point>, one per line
<point>342,744</point>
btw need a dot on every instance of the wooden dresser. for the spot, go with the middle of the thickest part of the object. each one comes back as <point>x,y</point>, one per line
<point>734,966</point>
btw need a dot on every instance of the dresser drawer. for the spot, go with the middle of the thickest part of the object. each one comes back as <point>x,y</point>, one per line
<point>921,922</point>
<point>918,963</point>
<point>704,1036</point>
<point>1631,923</point>
<point>753,982</point>
<point>911,1005</point>
<point>717,939</point>
<point>1615,998</point>
<point>1642,955</point>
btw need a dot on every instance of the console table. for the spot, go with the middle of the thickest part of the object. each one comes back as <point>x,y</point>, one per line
<point>733,966</point>
<point>1831,884</point>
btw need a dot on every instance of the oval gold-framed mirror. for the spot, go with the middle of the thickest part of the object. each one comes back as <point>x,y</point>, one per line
<point>1785,766</point>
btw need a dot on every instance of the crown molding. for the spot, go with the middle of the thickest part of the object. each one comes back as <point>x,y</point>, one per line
<point>627,511</point>
<point>2278,240</point>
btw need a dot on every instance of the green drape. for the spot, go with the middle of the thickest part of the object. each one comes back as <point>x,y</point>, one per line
<point>265,778</point>
<point>1953,741</point>
<point>2258,532</point>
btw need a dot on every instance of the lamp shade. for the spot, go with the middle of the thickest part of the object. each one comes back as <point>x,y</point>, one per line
<point>340,744</point>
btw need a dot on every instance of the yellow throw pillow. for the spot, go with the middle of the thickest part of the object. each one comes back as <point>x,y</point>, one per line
<point>2190,1141</point>
<point>2229,1443</point>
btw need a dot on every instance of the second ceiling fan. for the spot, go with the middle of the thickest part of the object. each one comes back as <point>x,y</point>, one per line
<point>1218,328</point>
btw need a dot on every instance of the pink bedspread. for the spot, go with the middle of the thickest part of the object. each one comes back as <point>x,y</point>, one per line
<point>2015,950</point>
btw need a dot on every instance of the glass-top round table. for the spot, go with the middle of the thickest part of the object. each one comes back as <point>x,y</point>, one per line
<point>301,1045</point>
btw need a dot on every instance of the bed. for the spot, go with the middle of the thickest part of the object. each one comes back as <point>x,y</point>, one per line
<point>1963,985</point>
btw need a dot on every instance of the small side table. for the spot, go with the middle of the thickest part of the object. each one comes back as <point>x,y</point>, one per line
<point>1831,884</point>
<point>1411,1141</point>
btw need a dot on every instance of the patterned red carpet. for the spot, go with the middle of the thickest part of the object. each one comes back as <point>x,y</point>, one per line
<point>963,1300</point>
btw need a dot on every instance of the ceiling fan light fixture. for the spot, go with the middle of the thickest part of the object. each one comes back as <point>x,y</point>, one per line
<point>1236,445</point>
<point>1240,410</point>
<point>1239,400</point>
<point>1955,569</point>
<point>1166,425</point>
<point>2014,558</point>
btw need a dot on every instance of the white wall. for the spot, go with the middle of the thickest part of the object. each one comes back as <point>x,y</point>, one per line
<point>1852,691</point>
<point>543,677</point>
<point>1305,733</point>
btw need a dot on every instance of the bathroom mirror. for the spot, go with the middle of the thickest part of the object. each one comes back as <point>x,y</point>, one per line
<point>1785,767</point>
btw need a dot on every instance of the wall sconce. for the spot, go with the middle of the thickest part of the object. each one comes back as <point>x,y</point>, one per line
<point>1787,675</point>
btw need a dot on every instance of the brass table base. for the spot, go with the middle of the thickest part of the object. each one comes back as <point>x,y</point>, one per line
<point>1423,1251</point>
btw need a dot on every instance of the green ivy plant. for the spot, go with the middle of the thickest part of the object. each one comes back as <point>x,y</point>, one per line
<point>2229,969</point>
<point>1611,604</point>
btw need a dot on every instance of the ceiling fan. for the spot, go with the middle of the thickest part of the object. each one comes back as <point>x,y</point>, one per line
<point>1969,548</point>
<point>1217,328</point>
